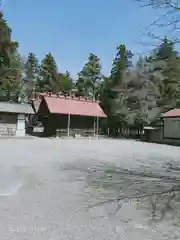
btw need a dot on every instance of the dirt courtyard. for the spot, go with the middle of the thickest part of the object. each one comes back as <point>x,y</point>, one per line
<point>45,189</point>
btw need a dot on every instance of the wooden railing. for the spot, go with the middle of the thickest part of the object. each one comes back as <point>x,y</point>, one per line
<point>75,132</point>
<point>7,130</point>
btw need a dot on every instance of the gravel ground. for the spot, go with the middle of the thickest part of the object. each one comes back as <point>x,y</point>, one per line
<point>46,188</point>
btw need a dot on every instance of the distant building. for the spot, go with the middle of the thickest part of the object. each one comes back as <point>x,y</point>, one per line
<point>68,115</point>
<point>153,132</point>
<point>171,129</point>
<point>165,128</point>
<point>13,118</point>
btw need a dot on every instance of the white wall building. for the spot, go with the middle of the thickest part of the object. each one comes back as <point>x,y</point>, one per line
<point>13,118</point>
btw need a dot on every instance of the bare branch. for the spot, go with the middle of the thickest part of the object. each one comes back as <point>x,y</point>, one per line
<point>169,4</point>
<point>159,19</point>
<point>173,5</point>
<point>169,21</point>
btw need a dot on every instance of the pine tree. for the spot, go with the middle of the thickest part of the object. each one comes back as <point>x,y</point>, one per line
<point>48,77</point>
<point>65,82</point>
<point>166,52</point>
<point>31,74</point>
<point>121,66</point>
<point>10,63</point>
<point>122,62</point>
<point>90,77</point>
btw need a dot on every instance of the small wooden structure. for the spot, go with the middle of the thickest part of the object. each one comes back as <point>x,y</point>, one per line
<point>13,118</point>
<point>165,128</point>
<point>171,129</point>
<point>68,115</point>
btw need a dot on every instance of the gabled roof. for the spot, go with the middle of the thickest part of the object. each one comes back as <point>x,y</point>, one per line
<point>35,104</point>
<point>73,106</point>
<point>11,107</point>
<point>154,114</point>
<point>172,113</point>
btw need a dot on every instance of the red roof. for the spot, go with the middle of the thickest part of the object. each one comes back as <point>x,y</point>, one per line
<point>73,106</point>
<point>172,113</point>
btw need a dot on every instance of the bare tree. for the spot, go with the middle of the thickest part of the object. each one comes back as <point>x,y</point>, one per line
<point>169,20</point>
<point>167,4</point>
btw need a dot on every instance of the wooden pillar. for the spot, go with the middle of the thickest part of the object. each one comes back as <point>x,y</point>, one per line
<point>69,123</point>
<point>97,130</point>
<point>94,126</point>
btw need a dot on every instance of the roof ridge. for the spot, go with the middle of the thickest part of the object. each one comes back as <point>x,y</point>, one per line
<point>67,96</point>
<point>40,95</point>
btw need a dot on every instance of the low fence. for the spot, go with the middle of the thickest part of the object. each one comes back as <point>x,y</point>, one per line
<point>7,129</point>
<point>75,132</point>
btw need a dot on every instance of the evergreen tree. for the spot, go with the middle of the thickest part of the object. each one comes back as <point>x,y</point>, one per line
<point>7,46</point>
<point>90,77</point>
<point>10,63</point>
<point>122,62</point>
<point>166,52</point>
<point>31,74</point>
<point>65,82</point>
<point>120,68</point>
<point>48,77</point>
